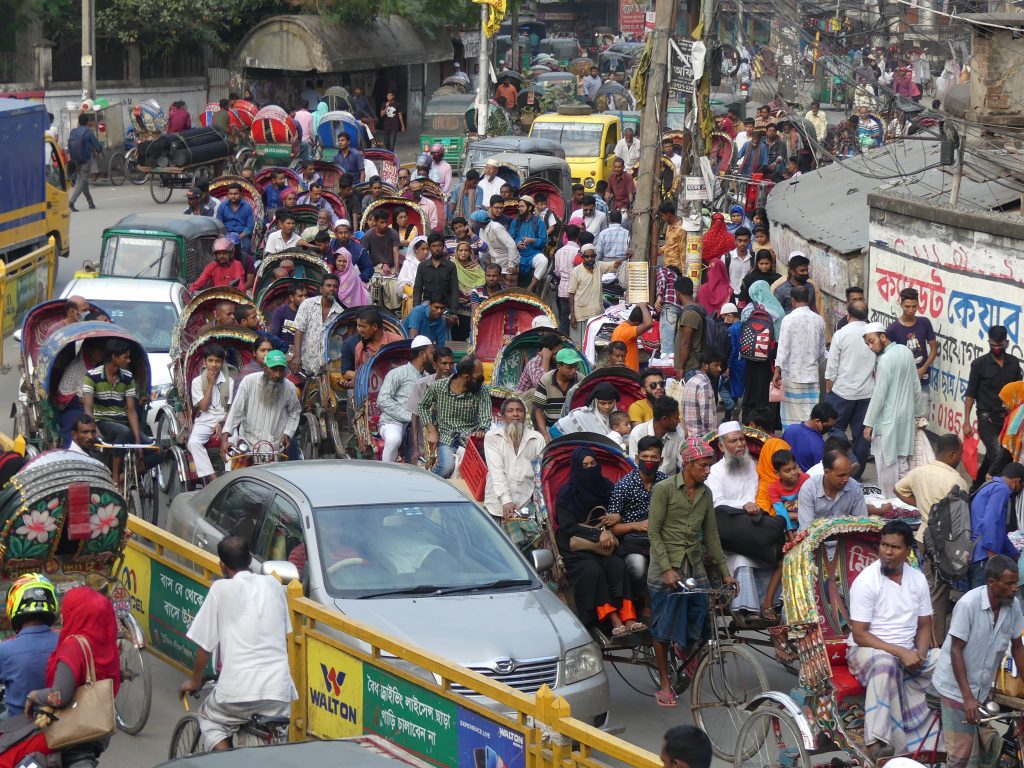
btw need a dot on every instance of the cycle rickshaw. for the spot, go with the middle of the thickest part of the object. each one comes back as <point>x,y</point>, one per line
<point>520,349</point>
<point>369,379</point>
<point>501,317</point>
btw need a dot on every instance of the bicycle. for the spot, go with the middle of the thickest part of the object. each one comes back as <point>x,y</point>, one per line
<point>135,695</point>
<point>258,731</point>
<point>140,490</point>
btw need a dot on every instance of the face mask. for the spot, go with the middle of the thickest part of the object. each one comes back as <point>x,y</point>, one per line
<point>648,467</point>
<point>801,278</point>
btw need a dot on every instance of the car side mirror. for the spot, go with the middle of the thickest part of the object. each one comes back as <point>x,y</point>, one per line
<point>543,560</point>
<point>282,569</point>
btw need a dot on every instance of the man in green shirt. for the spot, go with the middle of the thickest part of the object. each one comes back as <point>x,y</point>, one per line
<point>682,527</point>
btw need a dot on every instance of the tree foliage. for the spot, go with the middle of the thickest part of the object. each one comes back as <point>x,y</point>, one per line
<point>427,15</point>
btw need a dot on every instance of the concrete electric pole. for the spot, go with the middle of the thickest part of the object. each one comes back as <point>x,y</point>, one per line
<point>483,78</point>
<point>88,49</point>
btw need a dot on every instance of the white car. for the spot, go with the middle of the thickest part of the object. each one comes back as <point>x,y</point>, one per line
<point>147,308</point>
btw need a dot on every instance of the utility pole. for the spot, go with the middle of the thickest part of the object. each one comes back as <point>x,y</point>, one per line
<point>88,49</point>
<point>483,76</point>
<point>643,227</point>
<point>513,51</point>
<point>954,192</point>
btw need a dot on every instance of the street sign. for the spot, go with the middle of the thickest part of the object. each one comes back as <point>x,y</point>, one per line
<point>696,189</point>
<point>680,68</point>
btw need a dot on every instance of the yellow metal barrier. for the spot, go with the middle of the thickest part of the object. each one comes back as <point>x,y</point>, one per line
<point>24,283</point>
<point>354,680</point>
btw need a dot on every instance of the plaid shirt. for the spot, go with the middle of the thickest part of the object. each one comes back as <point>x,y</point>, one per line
<point>612,243</point>
<point>532,372</point>
<point>665,286</point>
<point>698,406</point>
<point>456,416</point>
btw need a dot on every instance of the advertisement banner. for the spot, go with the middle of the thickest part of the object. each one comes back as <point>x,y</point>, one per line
<point>631,19</point>
<point>412,717</point>
<point>961,306</point>
<point>335,693</point>
<point>135,577</point>
<point>174,600</point>
<point>486,744</point>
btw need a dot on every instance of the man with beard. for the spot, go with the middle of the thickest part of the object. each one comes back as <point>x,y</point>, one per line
<point>798,272</point>
<point>394,394</point>
<point>733,485</point>
<point>265,408</point>
<point>343,239</point>
<point>653,383</point>
<point>891,633</point>
<point>896,403</point>
<point>311,318</point>
<point>985,621</point>
<point>454,410</point>
<point>531,237</point>
<point>510,451</point>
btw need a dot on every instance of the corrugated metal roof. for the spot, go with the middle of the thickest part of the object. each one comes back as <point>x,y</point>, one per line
<point>829,205</point>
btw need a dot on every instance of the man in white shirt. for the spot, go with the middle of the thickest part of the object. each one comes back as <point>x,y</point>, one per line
<point>246,616</point>
<point>628,149</point>
<point>510,451</point>
<point>664,426</point>
<point>211,396</point>
<point>668,149</point>
<point>84,436</point>
<point>588,217</point>
<point>801,350</point>
<point>891,633</point>
<point>395,416</point>
<point>744,136</point>
<point>739,261</point>
<point>285,237</point>
<point>850,380</point>
<point>490,183</point>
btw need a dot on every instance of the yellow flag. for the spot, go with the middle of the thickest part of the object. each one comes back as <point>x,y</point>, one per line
<point>495,15</point>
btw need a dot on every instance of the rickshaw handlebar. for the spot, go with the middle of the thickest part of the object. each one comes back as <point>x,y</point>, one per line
<point>690,587</point>
<point>128,446</point>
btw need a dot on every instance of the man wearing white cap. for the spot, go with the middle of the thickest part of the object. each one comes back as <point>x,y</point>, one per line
<point>491,182</point>
<point>895,405</point>
<point>733,485</point>
<point>394,395</point>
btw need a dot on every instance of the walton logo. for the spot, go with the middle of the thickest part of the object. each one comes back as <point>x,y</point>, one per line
<point>333,680</point>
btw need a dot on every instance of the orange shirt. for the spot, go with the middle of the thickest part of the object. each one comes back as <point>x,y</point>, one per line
<point>626,333</point>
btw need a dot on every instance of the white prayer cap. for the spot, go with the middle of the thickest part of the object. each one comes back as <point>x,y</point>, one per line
<point>728,427</point>
<point>873,328</point>
<point>421,341</point>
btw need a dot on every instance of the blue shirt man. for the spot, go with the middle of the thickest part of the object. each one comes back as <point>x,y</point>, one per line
<point>23,663</point>
<point>237,216</point>
<point>350,159</point>
<point>990,510</point>
<point>428,320</point>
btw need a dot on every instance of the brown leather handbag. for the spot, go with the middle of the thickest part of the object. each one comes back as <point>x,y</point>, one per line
<point>90,715</point>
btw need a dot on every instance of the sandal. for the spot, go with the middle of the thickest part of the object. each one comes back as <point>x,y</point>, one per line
<point>665,699</point>
<point>769,615</point>
<point>620,631</point>
<point>636,626</point>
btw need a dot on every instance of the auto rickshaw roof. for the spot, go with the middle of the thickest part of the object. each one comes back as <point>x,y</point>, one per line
<point>524,144</point>
<point>188,227</point>
<point>453,103</point>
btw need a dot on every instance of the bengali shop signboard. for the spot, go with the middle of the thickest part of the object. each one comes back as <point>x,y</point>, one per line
<point>961,304</point>
<point>631,19</point>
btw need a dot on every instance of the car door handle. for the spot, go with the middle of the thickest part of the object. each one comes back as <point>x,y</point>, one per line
<point>200,541</point>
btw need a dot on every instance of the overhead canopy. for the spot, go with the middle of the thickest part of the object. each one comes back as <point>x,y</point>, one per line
<point>310,43</point>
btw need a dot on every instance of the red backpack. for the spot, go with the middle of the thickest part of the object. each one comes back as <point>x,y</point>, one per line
<point>757,335</point>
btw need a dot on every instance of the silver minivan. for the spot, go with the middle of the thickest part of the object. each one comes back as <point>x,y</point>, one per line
<point>406,552</point>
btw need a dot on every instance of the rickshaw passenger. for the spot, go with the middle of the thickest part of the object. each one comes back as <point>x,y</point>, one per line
<point>631,498</point>
<point>310,322</point>
<point>84,436</point>
<point>455,409</point>
<point>891,623</point>
<point>110,397</point>
<point>394,394</point>
<point>237,215</point>
<point>69,391</point>
<point>211,396</point>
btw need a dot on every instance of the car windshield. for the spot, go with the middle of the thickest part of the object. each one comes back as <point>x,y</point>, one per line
<point>577,139</point>
<point>149,321</point>
<point>389,549</point>
<point>129,256</point>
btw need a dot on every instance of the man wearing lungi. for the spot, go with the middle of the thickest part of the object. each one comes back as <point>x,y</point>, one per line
<point>891,622</point>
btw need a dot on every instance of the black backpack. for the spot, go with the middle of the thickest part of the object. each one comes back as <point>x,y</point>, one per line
<point>77,147</point>
<point>714,334</point>
<point>948,537</point>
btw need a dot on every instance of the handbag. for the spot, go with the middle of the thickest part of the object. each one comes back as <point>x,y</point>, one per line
<point>759,537</point>
<point>583,544</point>
<point>90,715</point>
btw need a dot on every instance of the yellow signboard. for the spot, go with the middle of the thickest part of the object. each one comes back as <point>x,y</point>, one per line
<point>135,577</point>
<point>334,695</point>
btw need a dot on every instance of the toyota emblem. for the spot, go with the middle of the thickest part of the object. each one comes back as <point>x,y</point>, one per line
<point>504,666</point>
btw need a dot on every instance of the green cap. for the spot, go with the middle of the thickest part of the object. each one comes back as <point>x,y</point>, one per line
<point>568,356</point>
<point>275,359</point>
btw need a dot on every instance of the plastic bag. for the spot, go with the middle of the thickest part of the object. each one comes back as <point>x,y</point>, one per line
<point>970,457</point>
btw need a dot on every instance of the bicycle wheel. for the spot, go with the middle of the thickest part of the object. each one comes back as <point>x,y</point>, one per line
<point>157,190</point>
<point>116,169</point>
<point>135,696</point>
<point>185,739</point>
<point>727,679</point>
<point>134,499</point>
<point>770,738</point>
<point>149,493</point>
<point>131,161</point>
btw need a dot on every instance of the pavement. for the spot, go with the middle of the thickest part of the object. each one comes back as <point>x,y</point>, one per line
<point>634,713</point>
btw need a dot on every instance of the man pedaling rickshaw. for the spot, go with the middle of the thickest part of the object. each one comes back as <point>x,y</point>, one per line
<point>265,409</point>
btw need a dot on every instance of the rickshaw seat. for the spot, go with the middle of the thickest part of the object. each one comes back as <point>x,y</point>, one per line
<point>845,684</point>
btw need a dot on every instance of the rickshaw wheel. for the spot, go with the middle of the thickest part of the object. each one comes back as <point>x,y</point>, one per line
<point>768,739</point>
<point>157,190</point>
<point>725,686</point>
<point>336,439</point>
<point>135,696</point>
<point>134,499</point>
<point>135,176</point>
<point>149,492</point>
<point>185,739</point>
<point>116,169</point>
<point>307,447</point>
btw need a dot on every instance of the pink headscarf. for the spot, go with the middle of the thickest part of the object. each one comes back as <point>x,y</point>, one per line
<point>351,291</point>
<point>715,290</point>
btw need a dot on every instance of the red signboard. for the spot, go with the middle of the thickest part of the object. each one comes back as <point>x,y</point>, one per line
<point>631,19</point>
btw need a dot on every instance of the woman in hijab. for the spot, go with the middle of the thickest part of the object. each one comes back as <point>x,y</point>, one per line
<point>717,240</point>
<point>469,271</point>
<point>592,417</point>
<point>737,218</point>
<point>351,291</point>
<point>1012,437</point>
<point>88,615</point>
<point>763,271</point>
<point>600,580</point>
<point>766,474</point>
<point>715,290</point>
<point>757,374</point>
<point>416,252</point>
<point>318,115</point>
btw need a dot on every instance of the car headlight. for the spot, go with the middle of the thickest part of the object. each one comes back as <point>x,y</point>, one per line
<point>589,182</point>
<point>582,663</point>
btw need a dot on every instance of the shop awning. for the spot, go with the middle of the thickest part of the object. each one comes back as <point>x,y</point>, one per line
<point>309,43</point>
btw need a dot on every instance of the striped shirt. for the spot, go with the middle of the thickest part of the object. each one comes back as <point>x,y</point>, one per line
<point>549,397</point>
<point>109,400</point>
<point>253,420</point>
<point>456,416</point>
<point>612,243</point>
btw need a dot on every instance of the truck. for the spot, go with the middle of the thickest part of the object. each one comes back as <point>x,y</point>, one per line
<point>33,184</point>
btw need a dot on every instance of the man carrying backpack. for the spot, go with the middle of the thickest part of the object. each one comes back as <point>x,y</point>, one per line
<point>925,487</point>
<point>82,145</point>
